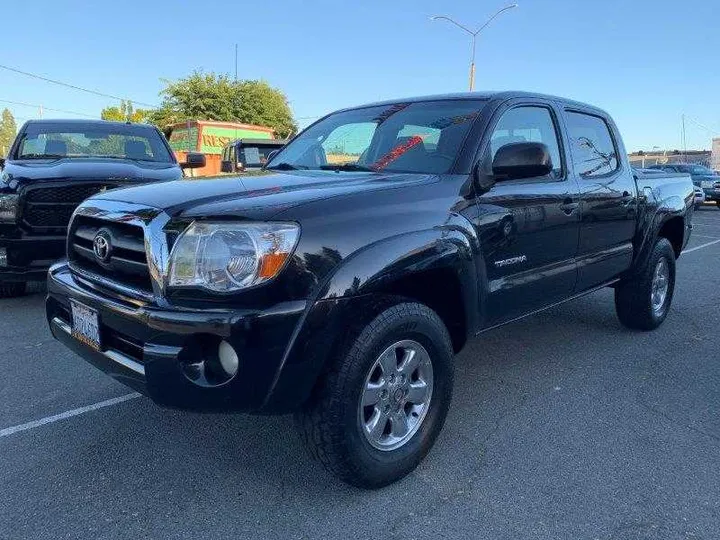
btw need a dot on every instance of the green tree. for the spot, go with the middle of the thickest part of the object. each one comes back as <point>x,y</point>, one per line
<point>208,96</point>
<point>124,113</point>
<point>8,130</point>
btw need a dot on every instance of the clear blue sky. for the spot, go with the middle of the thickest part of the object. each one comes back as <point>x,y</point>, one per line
<point>646,61</point>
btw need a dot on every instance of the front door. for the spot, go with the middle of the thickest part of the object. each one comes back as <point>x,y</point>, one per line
<point>528,228</point>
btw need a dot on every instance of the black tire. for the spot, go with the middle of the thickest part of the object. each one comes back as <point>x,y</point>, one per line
<point>330,424</point>
<point>718,204</point>
<point>633,296</point>
<point>12,289</point>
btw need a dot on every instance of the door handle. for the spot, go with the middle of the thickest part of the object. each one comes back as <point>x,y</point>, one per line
<point>569,206</point>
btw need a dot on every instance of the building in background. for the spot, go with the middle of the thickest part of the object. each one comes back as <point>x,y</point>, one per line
<point>715,159</point>
<point>210,138</point>
<point>662,157</point>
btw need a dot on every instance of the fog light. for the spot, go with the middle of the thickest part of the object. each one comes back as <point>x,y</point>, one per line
<point>228,358</point>
<point>3,257</point>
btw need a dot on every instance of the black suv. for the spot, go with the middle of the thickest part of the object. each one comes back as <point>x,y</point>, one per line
<point>53,166</point>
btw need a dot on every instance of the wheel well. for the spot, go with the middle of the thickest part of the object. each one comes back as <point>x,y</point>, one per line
<point>440,290</point>
<point>674,231</point>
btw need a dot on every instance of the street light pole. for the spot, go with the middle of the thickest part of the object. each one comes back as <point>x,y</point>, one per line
<point>473,35</point>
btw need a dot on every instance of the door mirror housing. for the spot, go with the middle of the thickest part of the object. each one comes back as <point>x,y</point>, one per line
<point>522,160</point>
<point>194,160</point>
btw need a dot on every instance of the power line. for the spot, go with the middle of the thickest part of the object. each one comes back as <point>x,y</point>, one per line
<point>37,106</point>
<point>67,85</point>
<point>703,126</point>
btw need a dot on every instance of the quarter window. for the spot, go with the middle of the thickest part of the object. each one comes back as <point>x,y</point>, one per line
<point>528,124</point>
<point>593,149</point>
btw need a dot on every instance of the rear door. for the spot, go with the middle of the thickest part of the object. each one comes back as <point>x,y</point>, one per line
<point>529,228</point>
<point>608,196</point>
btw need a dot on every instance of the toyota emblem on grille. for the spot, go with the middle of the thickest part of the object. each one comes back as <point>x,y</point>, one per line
<point>102,246</point>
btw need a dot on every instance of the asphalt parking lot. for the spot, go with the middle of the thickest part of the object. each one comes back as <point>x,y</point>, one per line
<point>564,425</point>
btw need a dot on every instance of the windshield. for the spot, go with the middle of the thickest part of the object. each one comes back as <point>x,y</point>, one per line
<point>405,137</point>
<point>79,140</point>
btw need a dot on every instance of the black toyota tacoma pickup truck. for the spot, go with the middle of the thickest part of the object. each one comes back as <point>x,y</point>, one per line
<point>340,285</point>
<point>52,166</point>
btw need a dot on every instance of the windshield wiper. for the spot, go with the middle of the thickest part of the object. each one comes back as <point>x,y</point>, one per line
<point>42,156</point>
<point>284,166</point>
<point>352,167</point>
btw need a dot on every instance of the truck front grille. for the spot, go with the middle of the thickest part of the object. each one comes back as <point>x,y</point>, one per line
<point>52,206</point>
<point>127,263</point>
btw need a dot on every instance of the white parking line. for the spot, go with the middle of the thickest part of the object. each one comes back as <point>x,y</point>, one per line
<point>702,246</point>
<point>67,414</point>
<point>703,236</point>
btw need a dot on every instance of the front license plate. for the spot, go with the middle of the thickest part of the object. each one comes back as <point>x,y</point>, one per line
<point>707,184</point>
<point>85,325</point>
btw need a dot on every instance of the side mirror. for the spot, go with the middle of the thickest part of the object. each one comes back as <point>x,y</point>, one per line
<point>522,160</point>
<point>226,166</point>
<point>194,160</point>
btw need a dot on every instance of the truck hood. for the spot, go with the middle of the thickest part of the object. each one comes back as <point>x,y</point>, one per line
<point>257,197</point>
<point>26,171</point>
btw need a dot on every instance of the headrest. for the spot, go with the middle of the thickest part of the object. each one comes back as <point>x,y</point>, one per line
<point>53,146</point>
<point>135,149</point>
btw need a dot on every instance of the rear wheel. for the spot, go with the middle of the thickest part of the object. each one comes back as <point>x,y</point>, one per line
<point>12,289</point>
<point>377,412</point>
<point>643,301</point>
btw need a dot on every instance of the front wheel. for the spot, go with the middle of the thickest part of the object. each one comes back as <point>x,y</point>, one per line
<point>643,301</point>
<point>378,410</point>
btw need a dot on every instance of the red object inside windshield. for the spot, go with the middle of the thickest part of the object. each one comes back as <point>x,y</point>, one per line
<point>396,152</point>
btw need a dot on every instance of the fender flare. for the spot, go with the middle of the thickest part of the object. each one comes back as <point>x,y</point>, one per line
<point>653,221</point>
<point>355,284</point>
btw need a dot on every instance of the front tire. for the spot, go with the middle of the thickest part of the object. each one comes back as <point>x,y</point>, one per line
<point>379,409</point>
<point>643,301</point>
<point>12,289</point>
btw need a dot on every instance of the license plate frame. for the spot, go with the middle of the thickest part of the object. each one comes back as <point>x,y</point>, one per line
<point>85,325</point>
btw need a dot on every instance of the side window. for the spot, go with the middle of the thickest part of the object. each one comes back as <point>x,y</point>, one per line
<point>593,151</point>
<point>528,124</point>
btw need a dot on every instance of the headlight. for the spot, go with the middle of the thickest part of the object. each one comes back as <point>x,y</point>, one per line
<point>8,208</point>
<point>227,257</point>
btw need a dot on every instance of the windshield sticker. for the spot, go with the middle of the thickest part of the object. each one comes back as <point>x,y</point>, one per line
<point>396,152</point>
<point>387,113</point>
<point>442,123</point>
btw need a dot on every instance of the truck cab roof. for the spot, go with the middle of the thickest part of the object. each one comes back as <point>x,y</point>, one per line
<point>487,96</point>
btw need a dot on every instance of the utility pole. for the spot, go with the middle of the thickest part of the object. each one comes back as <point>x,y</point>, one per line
<point>236,75</point>
<point>473,35</point>
<point>684,140</point>
<point>40,111</point>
